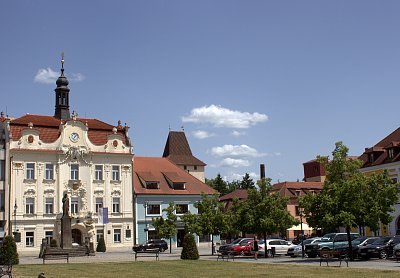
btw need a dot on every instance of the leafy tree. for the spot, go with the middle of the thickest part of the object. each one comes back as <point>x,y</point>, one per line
<point>101,245</point>
<point>166,228</point>
<point>233,185</point>
<point>8,251</point>
<point>218,184</point>
<point>189,249</point>
<point>349,198</point>
<point>247,182</point>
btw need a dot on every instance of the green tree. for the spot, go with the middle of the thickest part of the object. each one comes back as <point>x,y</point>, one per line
<point>247,182</point>
<point>189,249</point>
<point>211,218</point>
<point>166,228</point>
<point>233,185</point>
<point>349,198</point>
<point>218,184</point>
<point>8,251</point>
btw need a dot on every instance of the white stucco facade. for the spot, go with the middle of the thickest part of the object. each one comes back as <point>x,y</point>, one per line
<point>92,176</point>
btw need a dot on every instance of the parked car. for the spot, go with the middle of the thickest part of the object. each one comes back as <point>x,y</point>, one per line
<point>279,245</point>
<point>396,251</point>
<point>382,248</point>
<point>356,244</point>
<point>228,247</point>
<point>329,241</point>
<point>245,247</point>
<point>295,251</point>
<point>159,244</point>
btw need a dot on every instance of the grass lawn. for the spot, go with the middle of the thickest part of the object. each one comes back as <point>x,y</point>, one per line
<point>200,268</point>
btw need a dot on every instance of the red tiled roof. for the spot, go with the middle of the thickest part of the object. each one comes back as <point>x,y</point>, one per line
<point>48,127</point>
<point>380,150</point>
<point>177,150</point>
<point>159,168</point>
<point>238,193</point>
<point>291,189</point>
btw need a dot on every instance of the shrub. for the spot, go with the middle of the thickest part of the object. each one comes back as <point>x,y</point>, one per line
<point>8,251</point>
<point>101,245</point>
<point>189,250</point>
<point>53,242</point>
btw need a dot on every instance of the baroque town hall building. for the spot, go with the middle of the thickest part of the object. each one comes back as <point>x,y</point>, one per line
<point>44,157</point>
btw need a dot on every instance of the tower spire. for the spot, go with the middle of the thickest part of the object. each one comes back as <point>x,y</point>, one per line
<point>62,95</point>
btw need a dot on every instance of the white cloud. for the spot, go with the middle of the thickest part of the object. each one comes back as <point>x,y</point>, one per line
<point>236,151</point>
<point>201,134</point>
<point>49,76</point>
<point>46,76</point>
<point>77,77</point>
<point>232,162</point>
<point>238,133</point>
<point>219,116</point>
<point>239,177</point>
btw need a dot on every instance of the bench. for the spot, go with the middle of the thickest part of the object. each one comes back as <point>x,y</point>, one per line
<point>55,254</point>
<point>148,253</point>
<point>226,256</point>
<point>6,270</point>
<point>329,255</point>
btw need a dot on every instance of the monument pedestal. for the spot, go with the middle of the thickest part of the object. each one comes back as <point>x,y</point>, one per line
<point>66,232</point>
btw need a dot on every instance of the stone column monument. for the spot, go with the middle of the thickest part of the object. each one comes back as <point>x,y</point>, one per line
<point>66,232</point>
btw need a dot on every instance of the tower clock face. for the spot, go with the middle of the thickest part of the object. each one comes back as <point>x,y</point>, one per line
<point>74,137</point>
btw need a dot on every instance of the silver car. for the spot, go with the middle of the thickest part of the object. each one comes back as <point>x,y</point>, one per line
<point>295,251</point>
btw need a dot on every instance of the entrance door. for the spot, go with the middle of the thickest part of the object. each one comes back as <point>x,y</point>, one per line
<point>76,236</point>
<point>179,237</point>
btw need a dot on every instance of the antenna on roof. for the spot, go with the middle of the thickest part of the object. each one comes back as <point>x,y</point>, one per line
<point>169,127</point>
<point>183,129</point>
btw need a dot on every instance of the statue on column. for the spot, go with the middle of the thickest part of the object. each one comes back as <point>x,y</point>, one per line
<point>65,201</point>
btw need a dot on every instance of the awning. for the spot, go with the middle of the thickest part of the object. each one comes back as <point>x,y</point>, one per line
<point>298,228</point>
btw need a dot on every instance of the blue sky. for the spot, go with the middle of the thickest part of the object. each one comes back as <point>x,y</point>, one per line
<point>274,82</point>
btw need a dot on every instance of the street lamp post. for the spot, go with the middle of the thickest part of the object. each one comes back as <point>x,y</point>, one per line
<point>302,232</point>
<point>146,228</point>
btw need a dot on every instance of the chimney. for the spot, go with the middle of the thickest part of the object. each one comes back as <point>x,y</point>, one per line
<point>262,171</point>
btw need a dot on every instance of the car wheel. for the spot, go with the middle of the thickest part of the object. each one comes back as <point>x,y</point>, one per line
<point>269,253</point>
<point>162,249</point>
<point>311,256</point>
<point>383,255</point>
<point>241,253</point>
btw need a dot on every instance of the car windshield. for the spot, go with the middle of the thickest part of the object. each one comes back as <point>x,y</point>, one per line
<point>381,241</point>
<point>328,237</point>
<point>307,241</point>
<point>357,241</point>
<point>236,241</point>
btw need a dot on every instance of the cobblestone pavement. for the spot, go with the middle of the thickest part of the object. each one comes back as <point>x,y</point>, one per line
<point>126,254</point>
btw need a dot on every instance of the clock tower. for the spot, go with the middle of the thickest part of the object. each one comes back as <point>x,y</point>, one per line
<point>62,95</point>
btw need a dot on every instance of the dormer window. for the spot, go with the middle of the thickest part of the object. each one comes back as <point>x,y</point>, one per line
<point>179,185</point>
<point>371,157</point>
<point>391,153</point>
<point>152,185</point>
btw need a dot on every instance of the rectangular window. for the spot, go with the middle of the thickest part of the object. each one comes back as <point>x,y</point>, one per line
<point>30,171</point>
<point>49,205</point>
<point>29,239</point>
<point>29,205</point>
<point>98,172</point>
<point>179,186</point>
<point>116,204</point>
<point>117,235</point>
<point>115,173</point>
<point>48,236</point>
<point>2,170</point>
<point>99,234</point>
<point>151,185</point>
<point>74,205</point>
<point>181,208</point>
<point>49,173</point>
<point>195,167</point>
<point>99,204</point>
<point>153,209</point>
<point>128,233</point>
<point>74,172</point>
